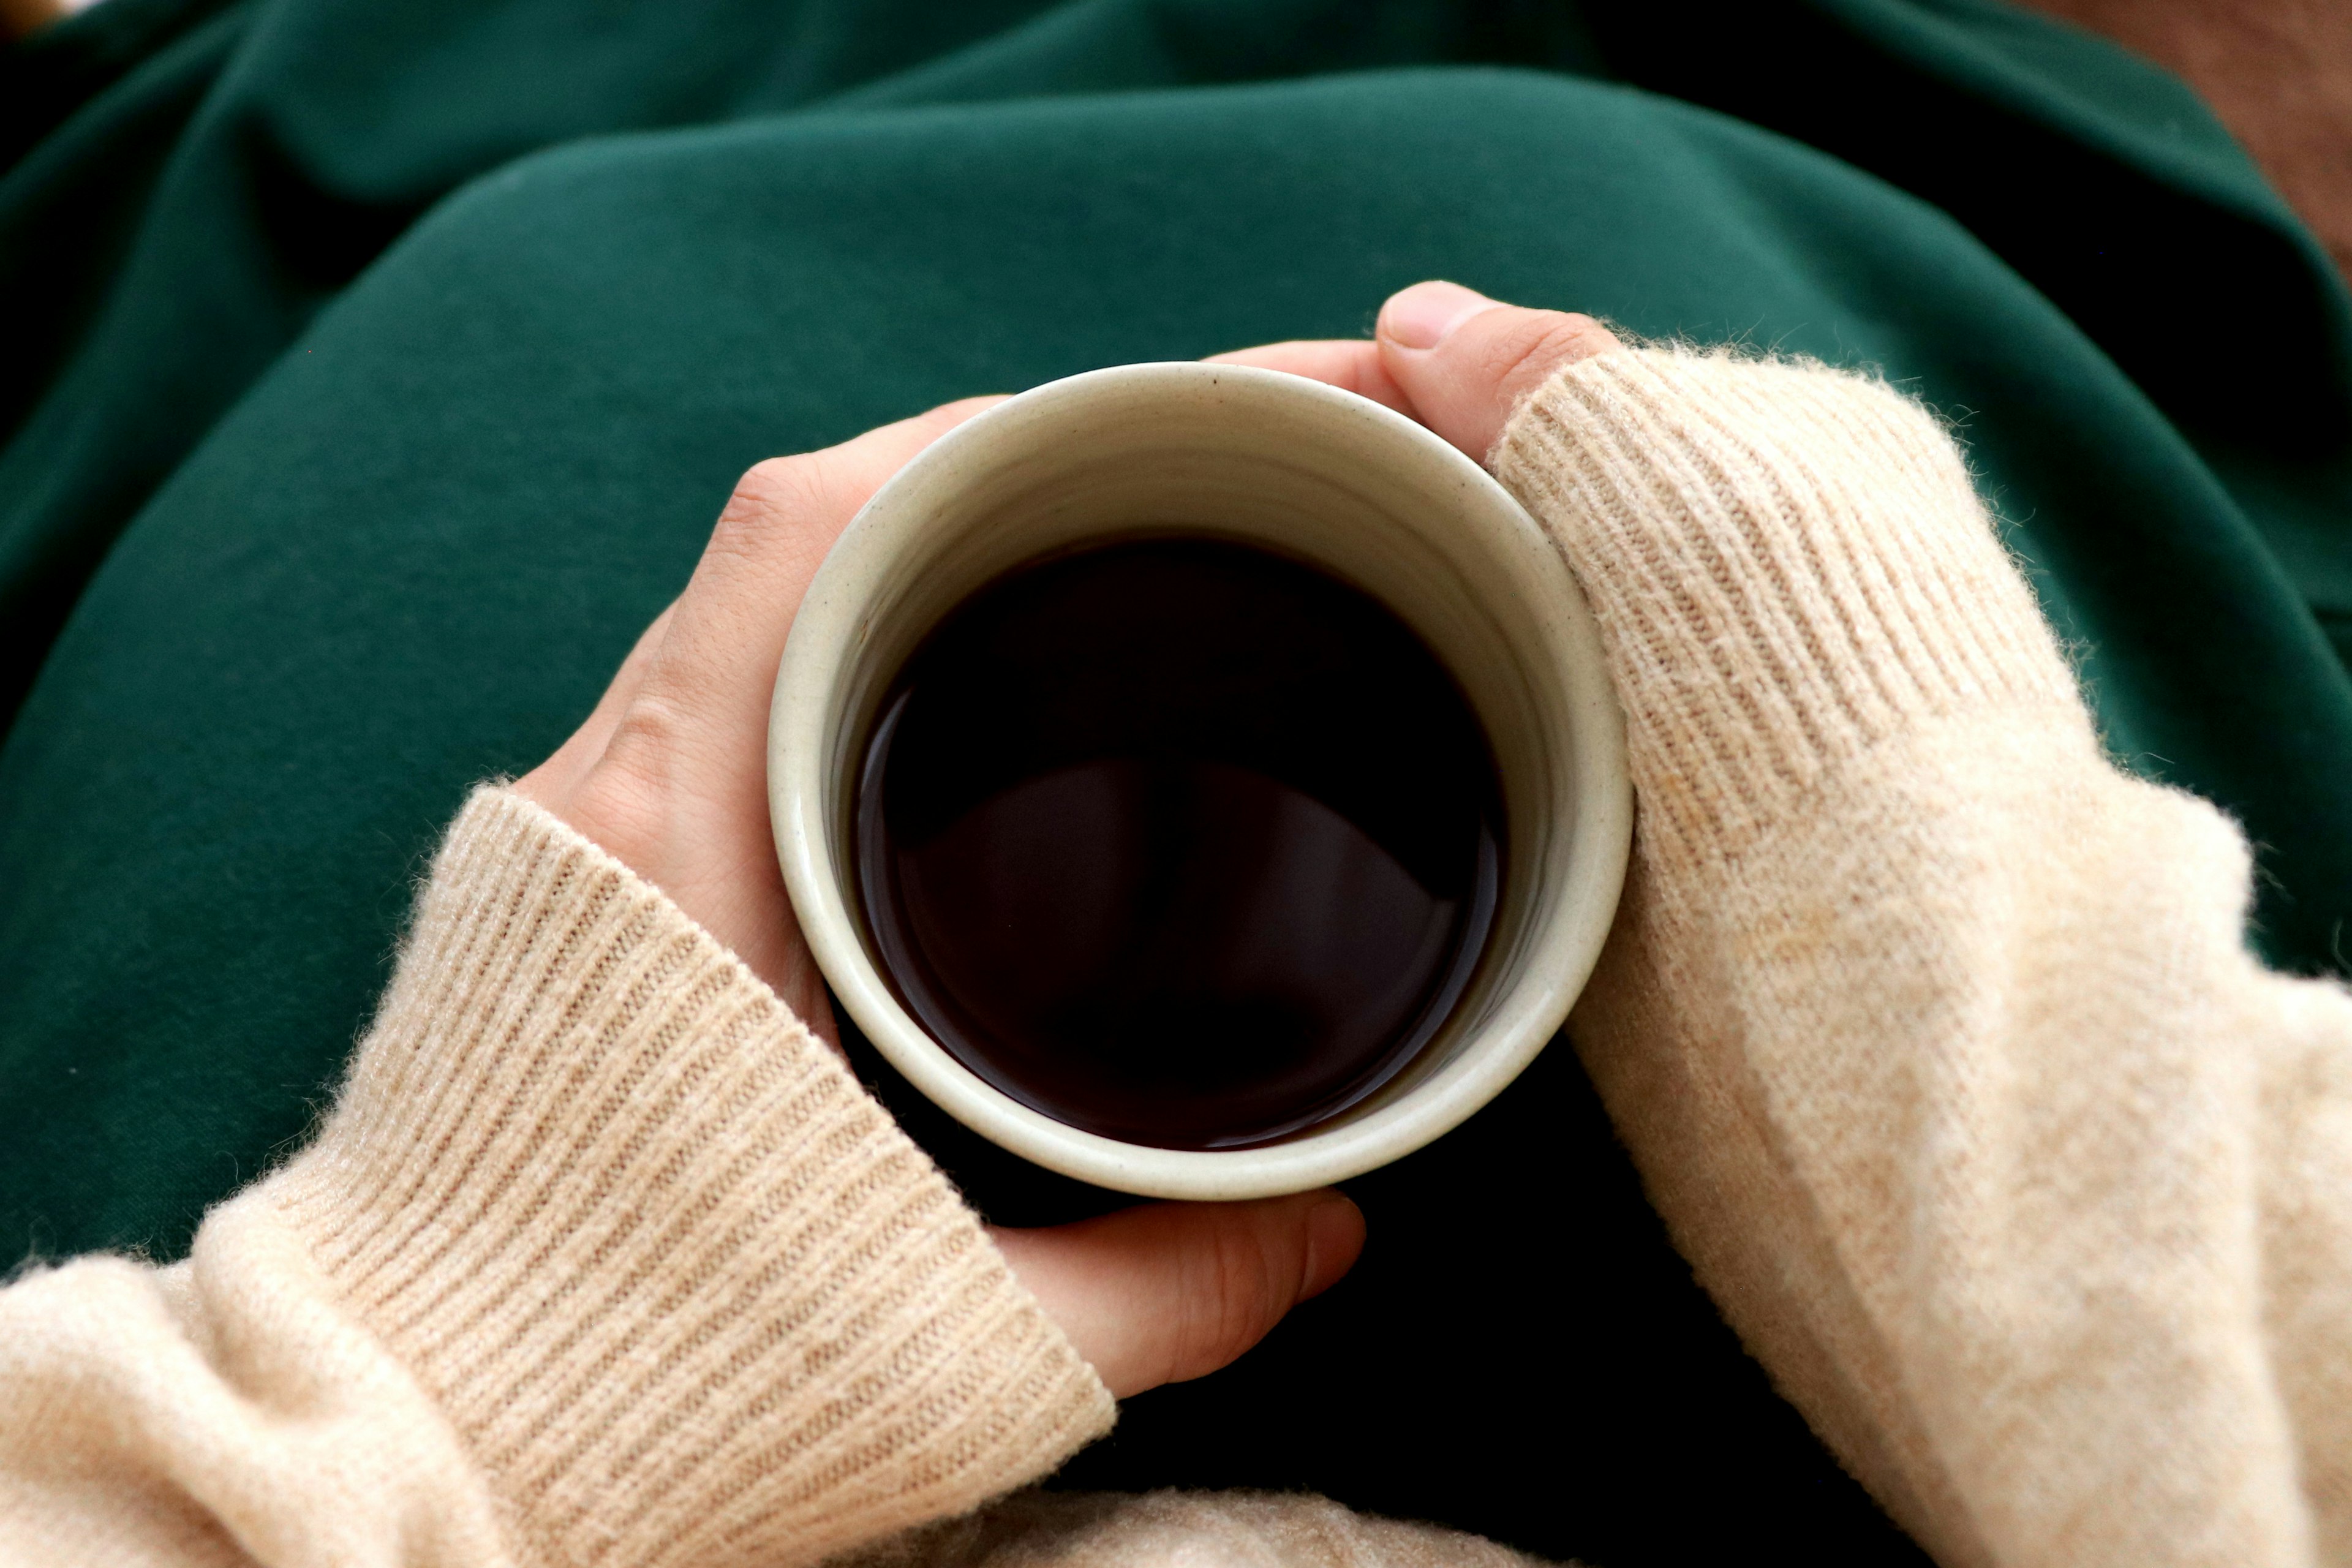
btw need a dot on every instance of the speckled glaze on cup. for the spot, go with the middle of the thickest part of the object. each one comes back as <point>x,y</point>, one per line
<point>1323,476</point>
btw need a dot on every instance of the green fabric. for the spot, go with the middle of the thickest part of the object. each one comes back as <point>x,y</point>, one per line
<point>391,359</point>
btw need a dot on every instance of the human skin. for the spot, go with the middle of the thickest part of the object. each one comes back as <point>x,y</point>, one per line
<point>669,774</point>
<point>2278,73</point>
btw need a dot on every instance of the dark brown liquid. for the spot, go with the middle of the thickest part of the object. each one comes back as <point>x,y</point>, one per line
<point>1178,842</point>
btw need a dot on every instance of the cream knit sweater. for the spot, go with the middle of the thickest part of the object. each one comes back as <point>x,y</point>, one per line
<point>1933,1035</point>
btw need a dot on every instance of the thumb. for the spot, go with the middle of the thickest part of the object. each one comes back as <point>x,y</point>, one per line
<point>1170,1291</point>
<point>1465,361</point>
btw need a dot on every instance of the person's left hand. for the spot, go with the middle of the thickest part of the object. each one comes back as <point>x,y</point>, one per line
<point>669,774</point>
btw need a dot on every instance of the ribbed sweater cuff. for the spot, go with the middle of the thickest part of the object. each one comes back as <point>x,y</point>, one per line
<point>682,1286</point>
<point>1715,509</point>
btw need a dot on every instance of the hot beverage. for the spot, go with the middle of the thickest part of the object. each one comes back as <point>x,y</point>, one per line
<point>1177,841</point>
<point>1177,865</point>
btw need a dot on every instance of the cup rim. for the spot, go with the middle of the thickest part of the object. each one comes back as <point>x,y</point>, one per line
<point>832,622</point>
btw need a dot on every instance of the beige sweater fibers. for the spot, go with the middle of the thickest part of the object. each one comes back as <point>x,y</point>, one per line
<point>601,1258</point>
<point>1933,1035</point>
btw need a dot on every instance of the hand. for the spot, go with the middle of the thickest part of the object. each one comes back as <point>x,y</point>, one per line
<point>670,771</point>
<point>1456,361</point>
<point>1175,1290</point>
<point>669,774</point>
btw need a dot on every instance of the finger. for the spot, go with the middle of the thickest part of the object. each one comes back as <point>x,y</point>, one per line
<point>1170,1291</point>
<point>1465,361</point>
<point>1349,364</point>
<point>771,536</point>
<point>700,708</point>
<point>679,791</point>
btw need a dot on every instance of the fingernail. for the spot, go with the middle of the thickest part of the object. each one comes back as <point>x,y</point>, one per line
<point>1420,317</point>
<point>1335,1235</point>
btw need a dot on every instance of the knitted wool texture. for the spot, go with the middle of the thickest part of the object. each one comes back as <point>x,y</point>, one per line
<point>601,1259</point>
<point>1180,1529</point>
<point>1932,1034</point>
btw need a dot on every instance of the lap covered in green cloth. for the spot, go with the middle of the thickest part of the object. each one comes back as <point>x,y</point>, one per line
<point>403,353</point>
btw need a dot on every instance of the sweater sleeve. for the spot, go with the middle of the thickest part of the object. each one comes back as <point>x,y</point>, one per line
<point>601,1258</point>
<point>1933,1034</point>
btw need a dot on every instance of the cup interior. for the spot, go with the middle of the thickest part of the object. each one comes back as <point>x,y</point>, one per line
<point>1289,466</point>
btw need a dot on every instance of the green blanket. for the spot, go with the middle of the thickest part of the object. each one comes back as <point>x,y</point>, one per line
<point>372,370</point>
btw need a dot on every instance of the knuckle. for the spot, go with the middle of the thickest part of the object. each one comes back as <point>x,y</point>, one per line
<point>621,800</point>
<point>782,513</point>
<point>1240,1298</point>
<point>775,494</point>
<point>652,723</point>
<point>1523,357</point>
<point>645,745</point>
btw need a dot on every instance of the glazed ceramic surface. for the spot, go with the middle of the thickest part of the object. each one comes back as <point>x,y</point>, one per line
<point>1290,465</point>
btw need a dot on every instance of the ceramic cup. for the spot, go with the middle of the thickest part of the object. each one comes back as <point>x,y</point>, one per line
<point>1317,474</point>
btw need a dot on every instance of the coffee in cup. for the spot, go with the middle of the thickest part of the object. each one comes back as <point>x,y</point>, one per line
<point>1178,840</point>
<point>1199,780</point>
